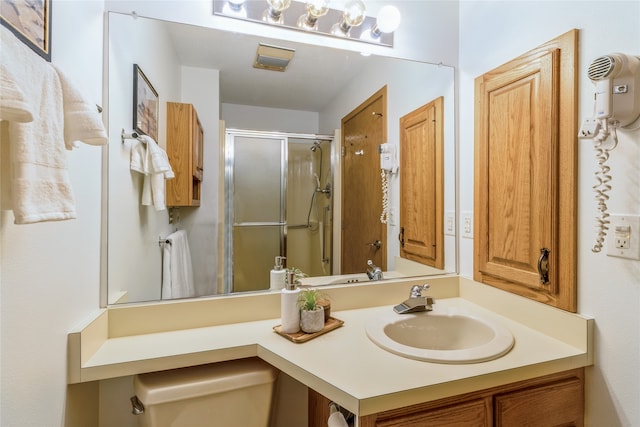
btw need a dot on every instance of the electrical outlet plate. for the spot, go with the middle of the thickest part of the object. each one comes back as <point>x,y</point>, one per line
<point>623,237</point>
<point>467,224</point>
<point>589,128</point>
<point>450,223</point>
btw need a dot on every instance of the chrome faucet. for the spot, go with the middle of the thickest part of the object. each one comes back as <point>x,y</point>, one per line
<point>416,302</point>
<point>373,271</point>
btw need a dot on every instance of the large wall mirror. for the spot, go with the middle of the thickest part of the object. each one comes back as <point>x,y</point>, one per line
<point>299,110</point>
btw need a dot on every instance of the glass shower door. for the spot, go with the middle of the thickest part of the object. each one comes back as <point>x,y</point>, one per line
<point>257,169</point>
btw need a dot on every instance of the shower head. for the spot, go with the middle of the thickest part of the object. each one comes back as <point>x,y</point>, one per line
<point>315,146</point>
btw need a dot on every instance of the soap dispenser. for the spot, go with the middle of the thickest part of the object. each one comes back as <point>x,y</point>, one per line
<point>289,310</point>
<point>278,277</point>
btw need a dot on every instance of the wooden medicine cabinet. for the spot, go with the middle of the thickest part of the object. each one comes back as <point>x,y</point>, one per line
<point>422,184</point>
<point>184,148</point>
<point>526,174</point>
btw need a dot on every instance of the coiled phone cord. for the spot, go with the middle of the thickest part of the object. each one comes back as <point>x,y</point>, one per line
<point>602,186</point>
<point>384,217</point>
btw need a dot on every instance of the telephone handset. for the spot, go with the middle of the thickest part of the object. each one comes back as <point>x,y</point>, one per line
<point>616,105</point>
<point>388,165</point>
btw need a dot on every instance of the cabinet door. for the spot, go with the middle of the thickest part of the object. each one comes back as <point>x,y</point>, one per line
<point>476,413</point>
<point>556,404</point>
<point>184,148</point>
<point>421,185</point>
<point>525,195</point>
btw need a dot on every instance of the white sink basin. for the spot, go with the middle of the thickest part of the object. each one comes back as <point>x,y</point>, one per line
<point>442,337</point>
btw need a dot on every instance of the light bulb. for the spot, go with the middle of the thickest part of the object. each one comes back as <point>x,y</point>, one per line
<point>388,19</point>
<point>278,5</point>
<point>274,13</point>
<point>235,8</point>
<point>236,4</point>
<point>315,9</point>
<point>354,13</point>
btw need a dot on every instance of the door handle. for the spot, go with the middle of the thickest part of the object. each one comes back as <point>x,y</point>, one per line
<point>377,244</point>
<point>543,266</point>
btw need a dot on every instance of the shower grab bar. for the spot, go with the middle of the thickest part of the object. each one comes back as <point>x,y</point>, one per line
<point>297,226</point>
<point>258,224</point>
<point>323,249</point>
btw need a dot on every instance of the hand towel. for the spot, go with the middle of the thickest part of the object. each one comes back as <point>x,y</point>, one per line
<point>156,169</point>
<point>40,185</point>
<point>138,157</point>
<point>14,106</point>
<point>177,271</point>
<point>34,105</point>
<point>82,121</point>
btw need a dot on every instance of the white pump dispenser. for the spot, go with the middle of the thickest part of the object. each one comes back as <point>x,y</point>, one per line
<point>289,310</point>
<point>278,277</point>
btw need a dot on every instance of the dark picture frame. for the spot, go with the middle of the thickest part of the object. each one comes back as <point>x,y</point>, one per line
<point>30,21</point>
<point>145,104</point>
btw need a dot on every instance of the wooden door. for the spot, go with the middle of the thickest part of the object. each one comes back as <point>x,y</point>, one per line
<point>363,130</point>
<point>525,166</point>
<point>422,185</point>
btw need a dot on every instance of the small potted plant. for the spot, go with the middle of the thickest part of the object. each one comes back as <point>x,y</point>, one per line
<point>311,313</point>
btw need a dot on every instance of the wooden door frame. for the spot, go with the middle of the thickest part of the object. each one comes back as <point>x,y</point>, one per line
<point>381,93</point>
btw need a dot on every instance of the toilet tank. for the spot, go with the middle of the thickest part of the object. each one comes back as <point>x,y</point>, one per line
<point>237,393</point>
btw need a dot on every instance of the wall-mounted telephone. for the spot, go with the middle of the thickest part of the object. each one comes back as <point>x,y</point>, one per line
<point>388,165</point>
<point>616,105</point>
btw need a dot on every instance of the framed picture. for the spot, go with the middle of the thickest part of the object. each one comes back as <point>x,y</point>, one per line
<point>145,104</point>
<point>30,21</point>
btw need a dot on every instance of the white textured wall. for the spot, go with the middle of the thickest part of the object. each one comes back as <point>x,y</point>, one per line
<point>135,258</point>
<point>49,272</point>
<point>492,33</point>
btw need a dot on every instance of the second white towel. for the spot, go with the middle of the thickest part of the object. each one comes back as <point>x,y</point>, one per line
<point>177,271</point>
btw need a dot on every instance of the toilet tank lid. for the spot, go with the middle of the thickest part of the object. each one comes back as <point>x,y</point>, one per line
<point>186,383</point>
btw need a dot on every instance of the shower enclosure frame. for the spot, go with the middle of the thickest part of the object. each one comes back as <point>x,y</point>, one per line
<point>229,220</point>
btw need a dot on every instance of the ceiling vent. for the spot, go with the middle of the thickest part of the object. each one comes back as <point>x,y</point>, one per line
<point>273,58</point>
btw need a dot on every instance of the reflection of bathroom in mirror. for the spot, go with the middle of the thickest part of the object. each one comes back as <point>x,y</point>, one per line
<point>299,111</point>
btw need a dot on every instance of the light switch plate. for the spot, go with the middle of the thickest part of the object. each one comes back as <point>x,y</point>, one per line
<point>450,223</point>
<point>623,236</point>
<point>467,224</point>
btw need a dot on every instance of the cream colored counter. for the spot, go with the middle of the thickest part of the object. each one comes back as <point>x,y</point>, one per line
<point>344,365</point>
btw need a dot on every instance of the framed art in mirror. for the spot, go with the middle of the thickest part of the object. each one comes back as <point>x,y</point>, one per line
<point>145,104</point>
<point>30,21</point>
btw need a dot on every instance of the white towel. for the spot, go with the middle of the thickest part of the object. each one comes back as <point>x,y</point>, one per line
<point>14,106</point>
<point>148,158</point>
<point>82,122</point>
<point>177,272</point>
<point>40,186</point>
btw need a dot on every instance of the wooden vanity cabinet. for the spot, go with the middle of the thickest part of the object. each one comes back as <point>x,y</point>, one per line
<point>525,211</point>
<point>548,401</point>
<point>185,139</point>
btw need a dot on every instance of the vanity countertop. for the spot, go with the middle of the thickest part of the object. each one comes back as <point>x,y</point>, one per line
<point>344,365</point>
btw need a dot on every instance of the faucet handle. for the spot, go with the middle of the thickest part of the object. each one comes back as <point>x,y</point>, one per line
<point>416,290</point>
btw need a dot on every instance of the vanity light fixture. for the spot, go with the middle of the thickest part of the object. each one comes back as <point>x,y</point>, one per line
<point>350,22</point>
